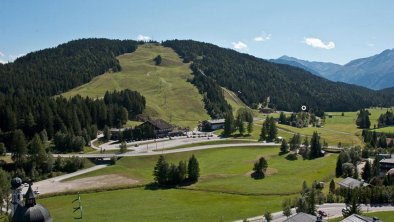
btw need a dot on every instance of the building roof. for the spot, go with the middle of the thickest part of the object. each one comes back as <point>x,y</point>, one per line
<point>351,183</point>
<point>390,161</point>
<point>358,218</point>
<point>390,172</point>
<point>216,121</point>
<point>159,124</point>
<point>31,212</point>
<point>302,217</point>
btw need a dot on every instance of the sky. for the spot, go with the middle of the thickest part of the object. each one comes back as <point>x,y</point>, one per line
<point>331,31</point>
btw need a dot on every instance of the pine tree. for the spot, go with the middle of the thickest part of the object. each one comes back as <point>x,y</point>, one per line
<point>264,130</point>
<point>332,186</point>
<point>161,171</point>
<point>123,147</point>
<point>355,173</point>
<point>37,151</point>
<point>107,133</point>
<point>18,147</point>
<point>282,118</point>
<point>284,147</point>
<point>228,124</point>
<point>240,125</point>
<point>182,171</point>
<point>315,146</point>
<point>366,174</point>
<point>286,207</point>
<point>311,201</point>
<point>273,131</point>
<point>260,168</point>
<point>193,169</point>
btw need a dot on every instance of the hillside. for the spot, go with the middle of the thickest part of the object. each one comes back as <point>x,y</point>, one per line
<point>55,70</point>
<point>374,72</point>
<point>289,87</point>
<point>168,93</point>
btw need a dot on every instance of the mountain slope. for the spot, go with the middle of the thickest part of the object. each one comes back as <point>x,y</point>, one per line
<point>289,87</point>
<point>55,70</point>
<point>375,72</point>
<point>317,68</point>
<point>168,93</point>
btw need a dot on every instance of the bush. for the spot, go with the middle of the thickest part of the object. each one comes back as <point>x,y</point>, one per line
<point>292,157</point>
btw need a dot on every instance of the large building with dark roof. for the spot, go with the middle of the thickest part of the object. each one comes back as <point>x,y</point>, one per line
<point>160,127</point>
<point>304,217</point>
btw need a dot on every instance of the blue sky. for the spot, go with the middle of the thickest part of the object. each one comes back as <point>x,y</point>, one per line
<point>335,31</point>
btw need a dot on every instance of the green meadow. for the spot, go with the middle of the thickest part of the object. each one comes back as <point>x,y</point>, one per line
<point>225,187</point>
<point>168,93</point>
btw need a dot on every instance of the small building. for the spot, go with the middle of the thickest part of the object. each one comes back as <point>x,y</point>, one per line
<point>211,125</point>
<point>358,218</point>
<point>304,217</point>
<point>352,183</point>
<point>267,110</point>
<point>161,128</point>
<point>386,165</point>
<point>116,134</point>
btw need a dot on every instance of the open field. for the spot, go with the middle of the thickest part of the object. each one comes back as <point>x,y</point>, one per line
<point>386,216</point>
<point>169,96</point>
<point>224,187</point>
<point>388,129</point>
<point>141,204</point>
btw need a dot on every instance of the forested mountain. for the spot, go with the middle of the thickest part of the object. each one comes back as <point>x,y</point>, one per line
<point>255,79</point>
<point>375,72</point>
<point>56,70</point>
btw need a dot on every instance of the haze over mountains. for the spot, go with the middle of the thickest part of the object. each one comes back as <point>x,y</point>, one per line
<point>374,72</point>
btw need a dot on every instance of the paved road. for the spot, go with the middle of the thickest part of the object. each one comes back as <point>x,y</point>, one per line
<point>163,143</point>
<point>333,210</point>
<point>158,152</point>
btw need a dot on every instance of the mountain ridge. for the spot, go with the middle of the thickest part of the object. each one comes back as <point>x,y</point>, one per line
<point>374,72</point>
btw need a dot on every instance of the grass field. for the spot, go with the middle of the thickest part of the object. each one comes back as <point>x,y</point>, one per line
<point>224,188</point>
<point>169,96</point>
<point>386,216</point>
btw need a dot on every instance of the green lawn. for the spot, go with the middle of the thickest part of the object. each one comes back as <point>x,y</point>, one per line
<point>386,216</point>
<point>169,96</point>
<point>388,129</point>
<point>140,204</point>
<point>224,187</point>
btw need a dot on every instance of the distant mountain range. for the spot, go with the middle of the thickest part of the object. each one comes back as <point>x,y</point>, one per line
<point>375,72</point>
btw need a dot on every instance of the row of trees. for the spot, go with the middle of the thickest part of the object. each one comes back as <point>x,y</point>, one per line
<point>301,119</point>
<point>232,125</point>
<point>375,139</point>
<point>386,119</point>
<point>171,174</point>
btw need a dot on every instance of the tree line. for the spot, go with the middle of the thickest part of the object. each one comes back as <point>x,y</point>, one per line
<point>73,119</point>
<point>170,174</point>
<point>231,124</point>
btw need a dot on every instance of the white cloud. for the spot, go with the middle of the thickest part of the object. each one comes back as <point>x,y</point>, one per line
<point>262,38</point>
<point>370,44</point>
<point>143,38</point>
<point>317,43</point>
<point>2,62</point>
<point>239,45</point>
<point>1,54</point>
